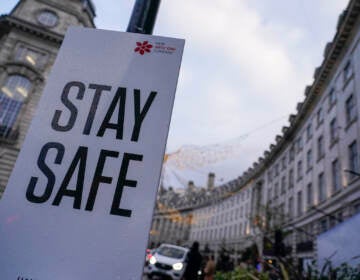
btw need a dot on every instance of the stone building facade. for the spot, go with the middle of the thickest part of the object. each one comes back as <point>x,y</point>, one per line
<point>30,36</point>
<point>309,179</point>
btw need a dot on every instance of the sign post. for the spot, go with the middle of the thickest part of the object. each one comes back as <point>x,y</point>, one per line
<point>80,200</point>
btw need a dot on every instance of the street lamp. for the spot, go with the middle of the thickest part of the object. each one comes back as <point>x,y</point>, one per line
<point>143,16</point>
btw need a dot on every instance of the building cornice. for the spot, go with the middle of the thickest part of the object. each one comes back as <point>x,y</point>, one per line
<point>13,22</point>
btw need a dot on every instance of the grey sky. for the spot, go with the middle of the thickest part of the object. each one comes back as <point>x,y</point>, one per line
<point>246,62</point>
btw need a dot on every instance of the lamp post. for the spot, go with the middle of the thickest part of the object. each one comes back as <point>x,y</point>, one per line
<point>143,16</point>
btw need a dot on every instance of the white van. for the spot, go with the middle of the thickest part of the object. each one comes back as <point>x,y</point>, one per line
<point>168,260</point>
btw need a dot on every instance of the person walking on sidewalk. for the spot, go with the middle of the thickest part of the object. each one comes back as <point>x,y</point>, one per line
<point>210,269</point>
<point>194,259</point>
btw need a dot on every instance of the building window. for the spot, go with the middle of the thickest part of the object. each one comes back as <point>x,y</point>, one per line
<point>299,144</point>
<point>336,176</point>
<point>276,170</point>
<point>282,211</point>
<point>299,204</point>
<point>291,207</point>
<point>320,147</point>
<point>323,225</point>
<point>309,159</point>
<point>319,117</point>
<point>333,130</point>
<point>347,71</point>
<point>332,98</point>
<point>283,184</point>
<point>310,196</point>
<point>12,96</point>
<point>353,159</point>
<point>321,187</point>
<point>356,207</point>
<point>299,170</point>
<point>308,131</point>
<point>291,154</point>
<point>29,56</point>
<point>47,18</point>
<point>332,221</point>
<point>350,109</point>
<point>269,195</point>
<point>276,190</point>
<point>283,162</point>
<point>270,175</point>
<point>291,178</point>
<point>340,216</point>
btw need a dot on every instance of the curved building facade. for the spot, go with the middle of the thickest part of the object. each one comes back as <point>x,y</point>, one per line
<point>308,181</point>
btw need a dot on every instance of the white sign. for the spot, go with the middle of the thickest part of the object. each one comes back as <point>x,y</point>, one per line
<point>80,200</point>
<point>339,245</point>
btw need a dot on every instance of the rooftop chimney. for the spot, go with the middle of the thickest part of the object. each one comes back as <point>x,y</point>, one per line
<point>191,186</point>
<point>211,181</point>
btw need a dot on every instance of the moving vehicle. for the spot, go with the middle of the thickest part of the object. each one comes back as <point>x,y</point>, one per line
<point>168,261</point>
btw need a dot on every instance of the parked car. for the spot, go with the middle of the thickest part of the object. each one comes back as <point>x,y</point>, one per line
<point>168,261</point>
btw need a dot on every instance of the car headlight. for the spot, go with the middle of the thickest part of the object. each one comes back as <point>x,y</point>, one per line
<point>178,266</point>
<point>152,260</point>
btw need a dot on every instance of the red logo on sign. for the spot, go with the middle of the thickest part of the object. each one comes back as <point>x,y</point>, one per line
<point>143,47</point>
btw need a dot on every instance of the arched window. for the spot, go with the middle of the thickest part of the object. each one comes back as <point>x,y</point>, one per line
<point>12,96</point>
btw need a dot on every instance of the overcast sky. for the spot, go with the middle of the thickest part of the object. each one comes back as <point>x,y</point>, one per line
<point>246,63</point>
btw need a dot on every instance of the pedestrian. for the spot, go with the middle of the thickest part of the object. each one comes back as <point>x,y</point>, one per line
<point>193,261</point>
<point>210,269</point>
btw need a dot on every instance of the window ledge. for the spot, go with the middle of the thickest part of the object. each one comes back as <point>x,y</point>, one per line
<point>347,81</point>
<point>349,124</point>
<point>320,202</point>
<point>335,193</point>
<point>320,158</point>
<point>333,142</point>
<point>332,105</point>
<point>319,123</point>
<point>353,180</point>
